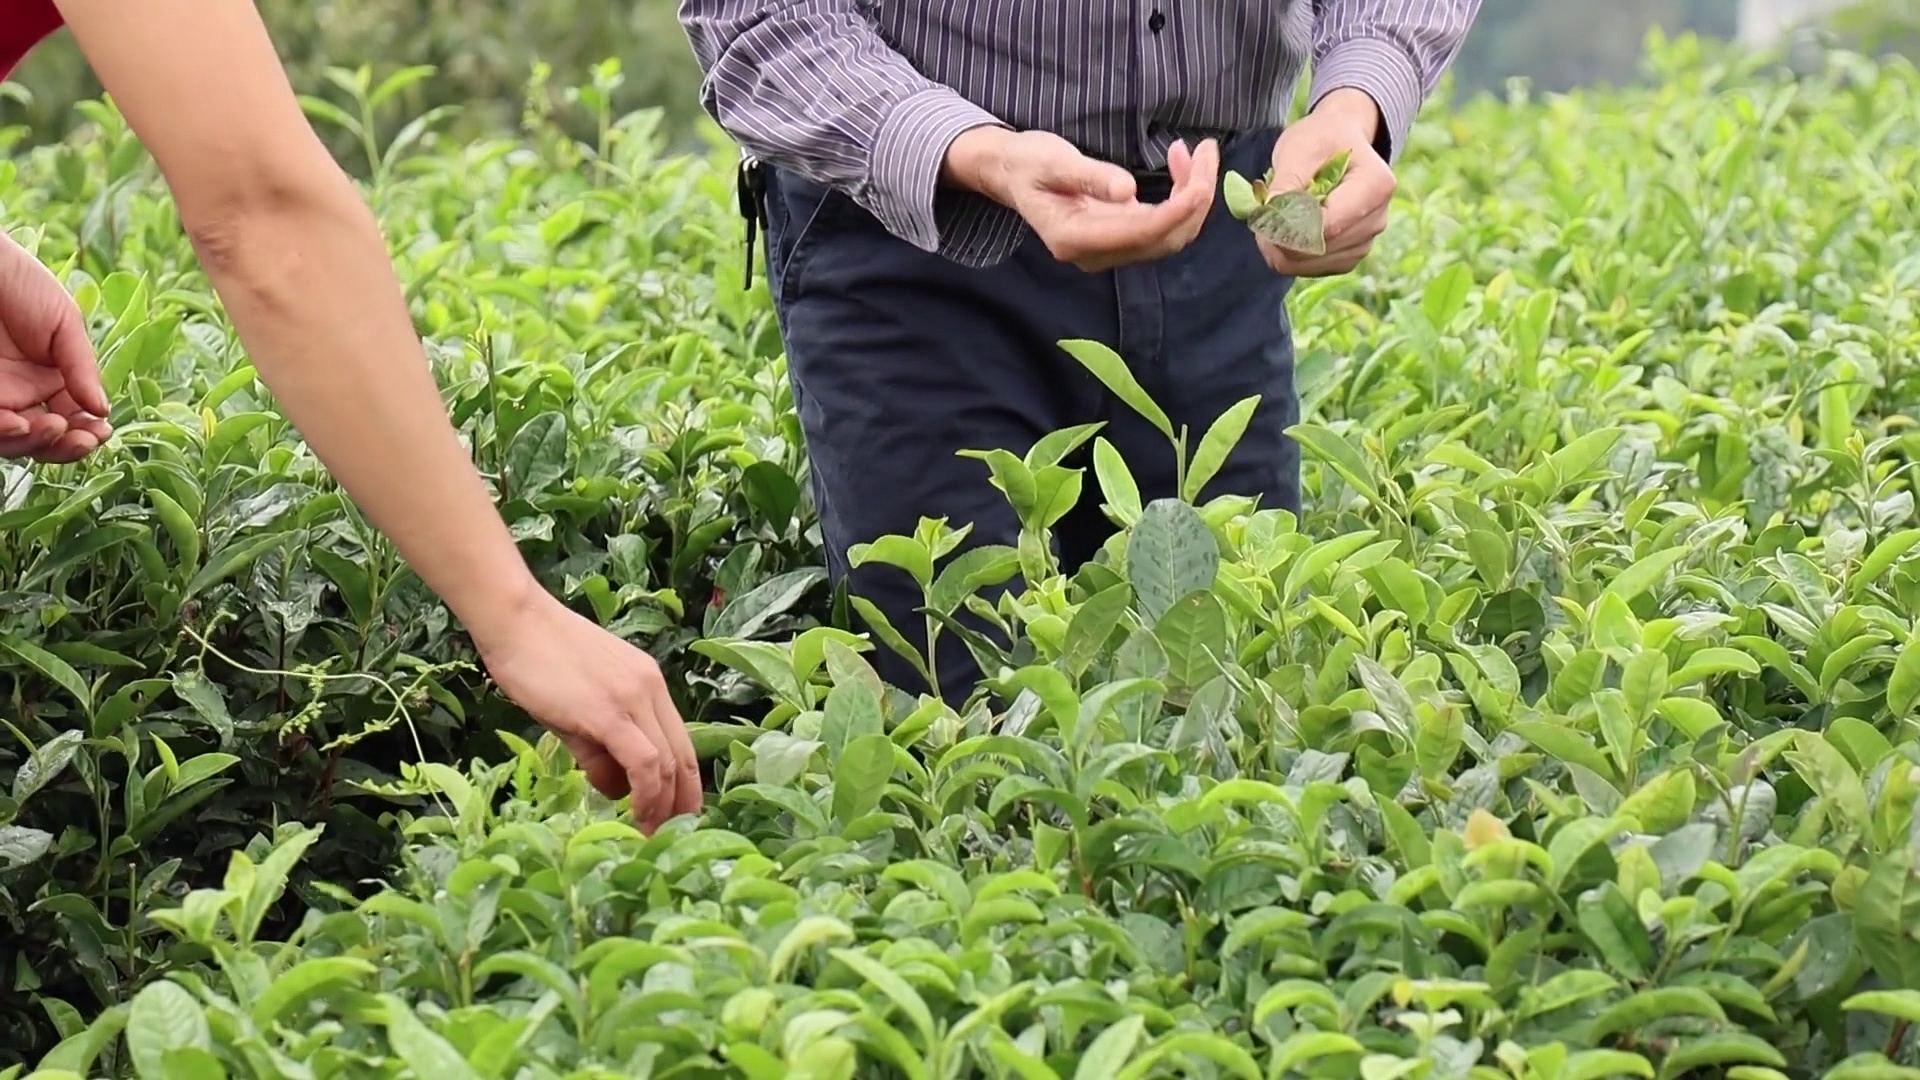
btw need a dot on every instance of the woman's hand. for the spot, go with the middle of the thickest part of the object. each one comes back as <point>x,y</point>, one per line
<point>52,406</point>
<point>605,699</point>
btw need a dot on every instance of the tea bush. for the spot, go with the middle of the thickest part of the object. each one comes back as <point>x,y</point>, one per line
<point>1571,733</point>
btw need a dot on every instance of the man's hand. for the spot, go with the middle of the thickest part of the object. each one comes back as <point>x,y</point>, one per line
<point>607,702</point>
<point>1356,210</point>
<point>1085,210</point>
<point>52,406</point>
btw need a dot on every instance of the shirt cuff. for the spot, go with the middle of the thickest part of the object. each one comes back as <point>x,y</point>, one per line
<point>904,173</point>
<point>1382,71</point>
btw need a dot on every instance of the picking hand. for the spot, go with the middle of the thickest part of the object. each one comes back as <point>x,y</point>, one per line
<point>52,406</point>
<point>1084,210</point>
<point>1356,210</point>
<point>607,702</point>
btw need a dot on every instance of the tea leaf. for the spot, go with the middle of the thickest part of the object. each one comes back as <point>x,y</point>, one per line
<point>1112,1049</point>
<point>302,982</point>
<point>1194,634</point>
<point>1293,221</point>
<point>164,1017</point>
<point>860,777</point>
<point>1900,1004</point>
<point>45,764</point>
<point>1222,436</point>
<point>897,990</point>
<point>1238,193</point>
<point>1170,554</point>
<point>1903,685</point>
<point>1885,912</point>
<point>750,612</point>
<point>20,845</point>
<point>425,1051</point>
<point>1107,366</point>
<point>51,666</point>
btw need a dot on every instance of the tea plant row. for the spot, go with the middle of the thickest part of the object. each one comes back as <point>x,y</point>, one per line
<point>1571,733</point>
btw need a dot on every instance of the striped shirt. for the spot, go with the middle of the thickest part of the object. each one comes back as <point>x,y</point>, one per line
<point>866,95</point>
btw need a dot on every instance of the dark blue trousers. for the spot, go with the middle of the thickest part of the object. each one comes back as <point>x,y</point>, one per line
<point>900,358</point>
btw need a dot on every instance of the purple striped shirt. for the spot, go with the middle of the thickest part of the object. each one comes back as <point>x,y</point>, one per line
<point>866,95</point>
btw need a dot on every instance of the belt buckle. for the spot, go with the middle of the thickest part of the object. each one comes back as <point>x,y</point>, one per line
<point>1152,185</point>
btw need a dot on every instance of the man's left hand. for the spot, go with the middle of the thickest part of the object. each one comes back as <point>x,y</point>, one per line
<point>1356,210</point>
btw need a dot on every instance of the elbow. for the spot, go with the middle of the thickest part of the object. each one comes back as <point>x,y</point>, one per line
<point>254,229</point>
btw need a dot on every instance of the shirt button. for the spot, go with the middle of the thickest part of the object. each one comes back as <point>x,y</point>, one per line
<point>1157,21</point>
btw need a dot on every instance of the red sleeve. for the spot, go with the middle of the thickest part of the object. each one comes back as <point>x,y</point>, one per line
<point>24,24</point>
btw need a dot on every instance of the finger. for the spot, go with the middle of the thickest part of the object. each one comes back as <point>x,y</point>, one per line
<point>1297,158</point>
<point>656,786</point>
<point>1194,185</point>
<point>1073,172</point>
<point>1362,197</point>
<point>1101,236</point>
<point>1204,181</point>
<point>12,424</point>
<point>686,760</point>
<point>640,759</point>
<point>24,385</point>
<point>688,797</point>
<point>1349,252</point>
<point>1179,162</point>
<point>68,448</point>
<point>43,430</point>
<point>605,773</point>
<point>1358,245</point>
<point>1111,235</point>
<point>664,791</point>
<point>78,418</point>
<point>1328,265</point>
<point>74,358</point>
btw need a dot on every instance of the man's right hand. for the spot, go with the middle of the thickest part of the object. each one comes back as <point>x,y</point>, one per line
<point>1085,210</point>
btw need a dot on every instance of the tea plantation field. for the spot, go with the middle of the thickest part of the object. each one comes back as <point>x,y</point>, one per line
<point>1573,732</point>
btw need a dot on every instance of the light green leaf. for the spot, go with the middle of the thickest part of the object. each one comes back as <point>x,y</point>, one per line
<point>1170,553</point>
<point>860,777</point>
<point>1107,366</point>
<point>425,1051</point>
<point>1215,447</point>
<point>1109,1053</point>
<point>51,666</point>
<point>164,1016</point>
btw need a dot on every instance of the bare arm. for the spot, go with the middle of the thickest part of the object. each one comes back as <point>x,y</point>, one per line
<point>301,267</point>
<point>299,262</point>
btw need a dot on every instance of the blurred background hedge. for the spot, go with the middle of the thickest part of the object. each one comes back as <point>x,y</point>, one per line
<point>485,54</point>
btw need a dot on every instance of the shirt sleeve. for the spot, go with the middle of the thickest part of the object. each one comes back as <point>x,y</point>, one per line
<point>1393,50</point>
<point>812,86</point>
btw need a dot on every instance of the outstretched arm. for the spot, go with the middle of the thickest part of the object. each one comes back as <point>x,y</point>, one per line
<point>299,262</point>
